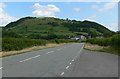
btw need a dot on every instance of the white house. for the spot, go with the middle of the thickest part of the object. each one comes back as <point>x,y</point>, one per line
<point>79,37</point>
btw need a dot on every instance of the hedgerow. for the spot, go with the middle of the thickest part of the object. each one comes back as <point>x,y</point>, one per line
<point>113,41</point>
<point>10,44</point>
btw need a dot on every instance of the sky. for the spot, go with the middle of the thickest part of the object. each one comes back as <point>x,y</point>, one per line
<point>105,13</point>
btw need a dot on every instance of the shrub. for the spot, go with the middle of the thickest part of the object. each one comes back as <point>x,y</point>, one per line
<point>115,41</point>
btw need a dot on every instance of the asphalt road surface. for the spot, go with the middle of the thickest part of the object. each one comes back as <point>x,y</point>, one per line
<point>94,64</point>
<point>63,61</point>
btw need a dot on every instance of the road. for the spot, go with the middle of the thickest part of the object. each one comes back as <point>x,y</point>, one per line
<point>63,61</point>
<point>94,64</point>
<point>50,62</point>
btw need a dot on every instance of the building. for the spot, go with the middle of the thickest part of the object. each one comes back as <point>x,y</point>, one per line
<point>99,37</point>
<point>81,37</point>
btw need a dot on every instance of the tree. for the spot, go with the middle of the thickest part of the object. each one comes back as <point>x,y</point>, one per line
<point>67,19</point>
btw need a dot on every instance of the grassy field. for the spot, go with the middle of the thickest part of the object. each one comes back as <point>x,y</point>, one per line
<point>40,25</point>
<point>48,25</point>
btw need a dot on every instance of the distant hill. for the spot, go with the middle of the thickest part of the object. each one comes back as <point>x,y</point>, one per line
<point>44,26</point>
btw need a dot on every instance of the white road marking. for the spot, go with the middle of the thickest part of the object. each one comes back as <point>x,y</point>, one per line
<point>73,60</point>
<point>49,52</point>
<point>67,67</point>
<point>1,67</point>
<point>30,58</point>
<point>70,63</point>
<point>78,53</point>
<point>62,73</point>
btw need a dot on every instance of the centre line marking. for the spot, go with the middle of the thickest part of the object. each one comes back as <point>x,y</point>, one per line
<point>30,58</point>
<point>62,73</point>
<point>50,52</point>
<point>67,67</point>
<point>70,63</point>
<point>1,67</point>
<point>73,60</point>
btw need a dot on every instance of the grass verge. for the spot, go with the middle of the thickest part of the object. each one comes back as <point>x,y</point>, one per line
<point>92,47</point>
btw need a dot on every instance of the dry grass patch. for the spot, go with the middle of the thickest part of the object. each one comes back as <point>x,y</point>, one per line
<point>107,49</point>
<point>94,46</point>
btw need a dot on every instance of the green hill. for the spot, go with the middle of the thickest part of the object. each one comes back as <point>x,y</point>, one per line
<point>43,27</point>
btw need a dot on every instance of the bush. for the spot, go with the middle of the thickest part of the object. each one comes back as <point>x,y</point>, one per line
<point>115,41</point>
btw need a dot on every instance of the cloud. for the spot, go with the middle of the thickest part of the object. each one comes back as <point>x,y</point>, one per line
<point>105,7</point>
<point>92,18</point>
<point>98,2</point>
<point>95,7</point>
<point>2,5</point>
<point>49,10</point>
<point>60,0</point>
<point>77,9</point>
<point>5,18</point>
